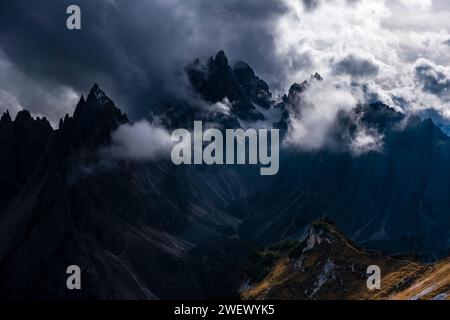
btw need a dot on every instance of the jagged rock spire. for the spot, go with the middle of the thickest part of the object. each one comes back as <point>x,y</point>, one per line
<point>6,118</point>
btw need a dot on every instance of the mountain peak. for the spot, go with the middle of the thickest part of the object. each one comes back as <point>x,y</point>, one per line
<point>95,87</point>
<point>427,128</point>
<point>297,89</point>
<point>22,116</point>
<point>217,81</point>
<point>256,89</point>
<point>428,122</point>
<point>221,59</point>
<point>243,67</point>
<point>326,265</point>
<point>93,121</point>
<point>79,107</point>
<point>6,118</point>
<point>316,76</point>
<point>97,97</point>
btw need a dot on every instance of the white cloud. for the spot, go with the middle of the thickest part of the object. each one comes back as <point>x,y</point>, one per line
<point>418,4</point>
<point>392,35</point>
<point>314,117</point>
<point>140,141</point>
<point>20,91</point>
<point>365,141</point>
<point>223,107</point>
<point>386,38</point>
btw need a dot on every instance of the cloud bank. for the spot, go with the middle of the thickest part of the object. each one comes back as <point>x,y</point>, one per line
<point>375,43</point>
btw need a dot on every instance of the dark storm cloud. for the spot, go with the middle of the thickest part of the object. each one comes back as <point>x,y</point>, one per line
<point>355,66</point>
<point>432,78</point>
<point>133,50</point>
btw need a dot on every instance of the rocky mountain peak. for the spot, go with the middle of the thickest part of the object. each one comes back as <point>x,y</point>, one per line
<point>297,89</point>
<point>257,90</point>
<point>243,70</point>
<point>327,265</point>
<point>6,118</point>
<point>316,76</point>
<point>97,97</point>
<point>93,121</point>
<point>217,81</point>
<point>79,107</point>
<point>220,60</point>
<point>23,116</point>
<point>377,115</point>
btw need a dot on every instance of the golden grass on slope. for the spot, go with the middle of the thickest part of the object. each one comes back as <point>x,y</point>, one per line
<point>305,275</point>
<point>277,275</point>
<point>434,282</point>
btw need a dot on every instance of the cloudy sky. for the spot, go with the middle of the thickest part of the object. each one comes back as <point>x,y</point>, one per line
<point>398,49</point>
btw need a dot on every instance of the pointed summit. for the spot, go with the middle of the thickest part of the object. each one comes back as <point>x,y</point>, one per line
<point>97,97</point>
<point>92,123</point>
<point>6,118</point>
<point>79,107</point>
<point>95,87</point>
<point>297,89</point>
<point>316,76</point>
<point>23,116</point>
<point>243,70</point>
<point>217,81</point>
<point>221,59</point>
<point>255,88</point>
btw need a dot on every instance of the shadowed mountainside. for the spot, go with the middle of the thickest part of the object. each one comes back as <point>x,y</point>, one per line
<point>150,229</point>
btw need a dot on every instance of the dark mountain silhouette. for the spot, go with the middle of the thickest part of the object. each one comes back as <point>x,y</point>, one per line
<point>137,230</point>
<point>217,81</point>
<point>236,88</point>
<point>155,230</point>
<point>22,142</point>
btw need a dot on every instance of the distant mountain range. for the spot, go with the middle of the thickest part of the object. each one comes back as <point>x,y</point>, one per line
<point>150,229</point>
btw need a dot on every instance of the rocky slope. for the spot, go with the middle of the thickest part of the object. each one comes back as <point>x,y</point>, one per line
<point>326,265</point>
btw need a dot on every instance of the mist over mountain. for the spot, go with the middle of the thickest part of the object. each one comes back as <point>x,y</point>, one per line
<point>141,227</point>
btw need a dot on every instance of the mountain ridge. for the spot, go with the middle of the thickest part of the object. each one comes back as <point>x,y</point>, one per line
<point>325,265</point>
<point>118,219</point>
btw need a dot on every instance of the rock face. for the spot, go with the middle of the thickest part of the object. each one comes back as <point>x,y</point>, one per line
<point>92,122</point>
<point>223,95</point>
<point>324,265</point>
<point>155,230</point>
<point>22,143</point>
<point>256,89</point>
<point>217,81</point>
<point>137,230</point>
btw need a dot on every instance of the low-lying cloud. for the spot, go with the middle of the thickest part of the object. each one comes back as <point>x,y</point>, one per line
<point>316,113</point>
<point>140,141</point>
